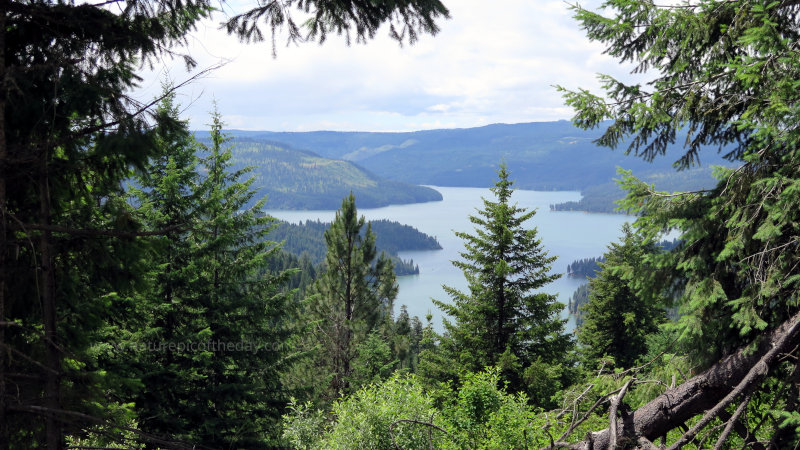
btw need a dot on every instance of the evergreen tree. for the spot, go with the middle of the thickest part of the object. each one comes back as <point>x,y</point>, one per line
<point>240,399</point>
<point>217,316</point>
<point>502,319</point>
<point>726,74</point>
<point>69,135</point>
<point>617,319</point>
<point>168,195</point>
<point>352,297</point>
<point>403,340</point>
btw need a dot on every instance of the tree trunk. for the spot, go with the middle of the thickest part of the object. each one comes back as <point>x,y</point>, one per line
<point>730,376</point>
<point>48,299</point>
<point>3,229</point>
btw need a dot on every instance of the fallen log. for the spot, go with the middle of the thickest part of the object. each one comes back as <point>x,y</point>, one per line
<point>710,392</point>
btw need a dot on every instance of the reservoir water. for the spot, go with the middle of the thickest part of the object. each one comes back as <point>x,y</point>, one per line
<point>567,235</point>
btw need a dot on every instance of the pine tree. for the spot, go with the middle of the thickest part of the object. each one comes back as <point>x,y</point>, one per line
<point>502,319</point>
<point>352,297</point>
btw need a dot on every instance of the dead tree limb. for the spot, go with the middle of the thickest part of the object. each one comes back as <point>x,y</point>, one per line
<point>731,422</point>
<point>748,436</point>
<point>709,391</point>
<point>65,416</point>
<point>612,413</point>
<point>419,422</point>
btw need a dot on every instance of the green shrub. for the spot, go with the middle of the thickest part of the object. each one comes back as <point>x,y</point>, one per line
<point>364,418</point>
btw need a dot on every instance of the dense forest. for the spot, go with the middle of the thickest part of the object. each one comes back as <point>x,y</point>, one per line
<point>308,238</point>
<point>584,268</point>
<point>145,302</point>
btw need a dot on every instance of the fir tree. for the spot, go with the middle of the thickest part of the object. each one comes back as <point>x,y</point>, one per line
<point>239,399</point>
<point>617,319</point>
<point>502,319</point>
<point>217,315</point>
<point>168,195</point>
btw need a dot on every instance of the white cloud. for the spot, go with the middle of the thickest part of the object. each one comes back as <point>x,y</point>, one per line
<point>487,65</point>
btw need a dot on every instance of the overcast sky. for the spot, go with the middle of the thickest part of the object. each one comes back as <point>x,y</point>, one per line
<point>491,63</point>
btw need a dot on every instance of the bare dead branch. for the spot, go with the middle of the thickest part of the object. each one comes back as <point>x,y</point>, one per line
<point>645,444</point>
<point>29,359</point>
<point>419,422</point>
<point>64,415</point>
<point>747,436</point>
<point>107,125</point>
<point>586,415</point>
<point>612,412</point>
<point>735,418</point>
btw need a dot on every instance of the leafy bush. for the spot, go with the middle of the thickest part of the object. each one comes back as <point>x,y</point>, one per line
<point>484,416</point>
<point>304,426</point>
<point>363,419</point>
<point>479,415</point>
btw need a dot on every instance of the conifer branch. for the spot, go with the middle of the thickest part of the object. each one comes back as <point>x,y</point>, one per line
<point>99,232</point>
<point>65,415</point>
<point>143,108</point>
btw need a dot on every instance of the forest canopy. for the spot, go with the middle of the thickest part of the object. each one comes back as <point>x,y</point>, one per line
<point>74,257</point>
<point>144,302</point>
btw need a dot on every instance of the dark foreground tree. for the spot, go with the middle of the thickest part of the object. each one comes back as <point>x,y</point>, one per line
<point>239,399</point>
<point>726,72</point>
<point>504,318</point>
<point>211,330</point>
<point>168,198</point>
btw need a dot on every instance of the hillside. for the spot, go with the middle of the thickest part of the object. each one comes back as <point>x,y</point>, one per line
<point>296,179</point>
<point>540,155</point>
<point>392,237</point>
<point>601,198</point>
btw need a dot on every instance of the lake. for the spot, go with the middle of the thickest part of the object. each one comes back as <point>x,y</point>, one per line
<point>567,235</point>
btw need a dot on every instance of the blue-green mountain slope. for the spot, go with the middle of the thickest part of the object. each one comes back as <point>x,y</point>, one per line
<point>298,179</point>
<point>541,155</point>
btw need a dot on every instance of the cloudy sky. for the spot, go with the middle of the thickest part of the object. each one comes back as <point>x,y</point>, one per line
<point>491,63</point>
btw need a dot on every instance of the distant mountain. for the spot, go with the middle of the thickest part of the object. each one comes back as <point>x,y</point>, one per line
<point>540,155</point>
<point>298,179</point>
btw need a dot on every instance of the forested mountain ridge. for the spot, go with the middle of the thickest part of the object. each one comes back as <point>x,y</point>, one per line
<point>309,238</point>
<point>602,198</point>
<point>298,179</point>
<point>543,155</point>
